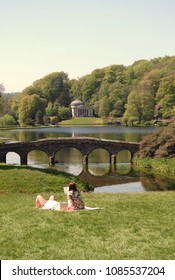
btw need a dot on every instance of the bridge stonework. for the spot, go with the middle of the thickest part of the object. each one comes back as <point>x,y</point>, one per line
<point>52,145</point>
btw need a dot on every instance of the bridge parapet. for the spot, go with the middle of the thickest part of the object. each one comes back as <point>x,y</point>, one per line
<point>52,145</point>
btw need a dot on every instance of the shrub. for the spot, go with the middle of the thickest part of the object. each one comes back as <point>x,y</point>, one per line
<point>7,120</point>
<point>159,144</point>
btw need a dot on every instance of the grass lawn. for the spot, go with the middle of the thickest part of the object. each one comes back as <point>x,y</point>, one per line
<point>83,121</point>
<point>131,226</point>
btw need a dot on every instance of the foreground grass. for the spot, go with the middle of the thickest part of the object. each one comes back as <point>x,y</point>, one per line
<point>131,226</point>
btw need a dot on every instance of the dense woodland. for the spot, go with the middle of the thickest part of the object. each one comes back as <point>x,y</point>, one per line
<point>139,94</point>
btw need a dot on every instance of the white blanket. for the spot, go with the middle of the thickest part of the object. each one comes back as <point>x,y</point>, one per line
<point>93,208</point>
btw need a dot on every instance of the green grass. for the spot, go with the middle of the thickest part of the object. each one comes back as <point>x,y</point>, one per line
<point>83,121</point>
<point>131,226</point>
<point>164,166</point>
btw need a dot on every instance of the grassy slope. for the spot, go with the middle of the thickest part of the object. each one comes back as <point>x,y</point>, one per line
<point>83,121</point>
<point>165,166</point>
<point>131,226</point>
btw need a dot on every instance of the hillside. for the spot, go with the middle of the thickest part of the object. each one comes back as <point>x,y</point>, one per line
<point>142,93</point>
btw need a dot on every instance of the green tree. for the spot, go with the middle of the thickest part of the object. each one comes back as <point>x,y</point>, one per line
<point>2,89</point>
<point>15,104</point>
<point>166,96</point>
<point>90,86</point>
<point>54,120</point>
<point>140,107</point>
<point>7,120</point>
<point>105,107</point>
<point>137,70</point>
<point>49,109</point>
<point>118,94</point>
<point>64,113</point>
<point>52,86</point>
<point>114,73</point>
<point>133,108</point>
<point>151,80</point>
<point>29,107</point>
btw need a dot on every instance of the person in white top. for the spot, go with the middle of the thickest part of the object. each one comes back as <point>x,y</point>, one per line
<point>50,204</point>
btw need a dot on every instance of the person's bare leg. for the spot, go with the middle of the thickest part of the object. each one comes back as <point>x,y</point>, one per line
<point>40,201</point>
<point>52,197</point>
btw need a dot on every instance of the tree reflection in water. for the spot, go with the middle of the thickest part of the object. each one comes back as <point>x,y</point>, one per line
<point>155,183</point>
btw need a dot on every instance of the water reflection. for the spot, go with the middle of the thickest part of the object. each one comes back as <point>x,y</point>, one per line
<point>154,183</point>
<point>98,162</point>
<point>69,160</point>
<point>110,178</point>
<point>146,184</point>
<point>121,188</point>
<point>36,158</point>
<point>133,134</point>
<point>98,169</point>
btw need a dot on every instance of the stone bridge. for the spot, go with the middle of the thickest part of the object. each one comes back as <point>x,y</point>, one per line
<point>52,145</point>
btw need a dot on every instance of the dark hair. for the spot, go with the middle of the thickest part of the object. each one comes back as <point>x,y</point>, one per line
<point>72,186</point>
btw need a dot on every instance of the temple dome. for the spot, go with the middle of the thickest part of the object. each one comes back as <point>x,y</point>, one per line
<point>76,103</point>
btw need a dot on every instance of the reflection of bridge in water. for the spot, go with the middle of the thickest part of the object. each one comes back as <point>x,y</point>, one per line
<point>52,145</point>
<point>110,178</point>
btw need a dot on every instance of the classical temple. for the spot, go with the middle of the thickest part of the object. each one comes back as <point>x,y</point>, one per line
<point>80,110</point>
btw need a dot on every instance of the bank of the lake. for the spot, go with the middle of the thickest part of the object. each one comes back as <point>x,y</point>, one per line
<point>107,121</point>
<point>131,226</point>
<point>82,121</point>
<point>162,166</point>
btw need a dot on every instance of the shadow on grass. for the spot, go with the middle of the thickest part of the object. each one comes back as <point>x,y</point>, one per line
<point>47,171</point>
<point>84,186</point>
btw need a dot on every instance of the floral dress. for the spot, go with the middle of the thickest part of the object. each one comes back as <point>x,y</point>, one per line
<point>75,201</point>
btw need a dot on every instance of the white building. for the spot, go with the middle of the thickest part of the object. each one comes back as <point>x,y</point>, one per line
<point>79,110</point>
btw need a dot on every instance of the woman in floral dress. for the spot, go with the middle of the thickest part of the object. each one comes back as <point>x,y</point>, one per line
<point>75,201</point>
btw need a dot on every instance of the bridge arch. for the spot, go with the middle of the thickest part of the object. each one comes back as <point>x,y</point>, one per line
<point>99,155</point>
<point>99,161</point>
<point>65,152</point>
<point>69,159</point>
<point>124,156</point>
<point>13,158</point>
<point>37,157</point>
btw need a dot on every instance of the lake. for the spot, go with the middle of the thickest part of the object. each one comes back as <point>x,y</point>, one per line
<point>122,177</point>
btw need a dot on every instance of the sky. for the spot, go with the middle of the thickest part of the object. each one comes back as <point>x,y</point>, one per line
<point>39,37</point>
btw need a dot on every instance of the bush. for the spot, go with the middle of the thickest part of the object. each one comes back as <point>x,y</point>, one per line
<point>159,144</point>
<point>7,120</point>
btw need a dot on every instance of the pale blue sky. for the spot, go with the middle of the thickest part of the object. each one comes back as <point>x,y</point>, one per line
<point>39,37</point>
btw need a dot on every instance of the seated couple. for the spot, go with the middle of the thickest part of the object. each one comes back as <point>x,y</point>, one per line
<point>74,201</point>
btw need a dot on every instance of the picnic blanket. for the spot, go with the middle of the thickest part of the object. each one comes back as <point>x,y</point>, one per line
<point>92,208</point>
<point>62,206</point>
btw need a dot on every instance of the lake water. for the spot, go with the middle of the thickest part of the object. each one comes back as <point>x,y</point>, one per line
<point>122,178</point>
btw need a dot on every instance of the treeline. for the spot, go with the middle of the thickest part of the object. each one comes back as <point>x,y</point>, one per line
<point>142,93</point>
